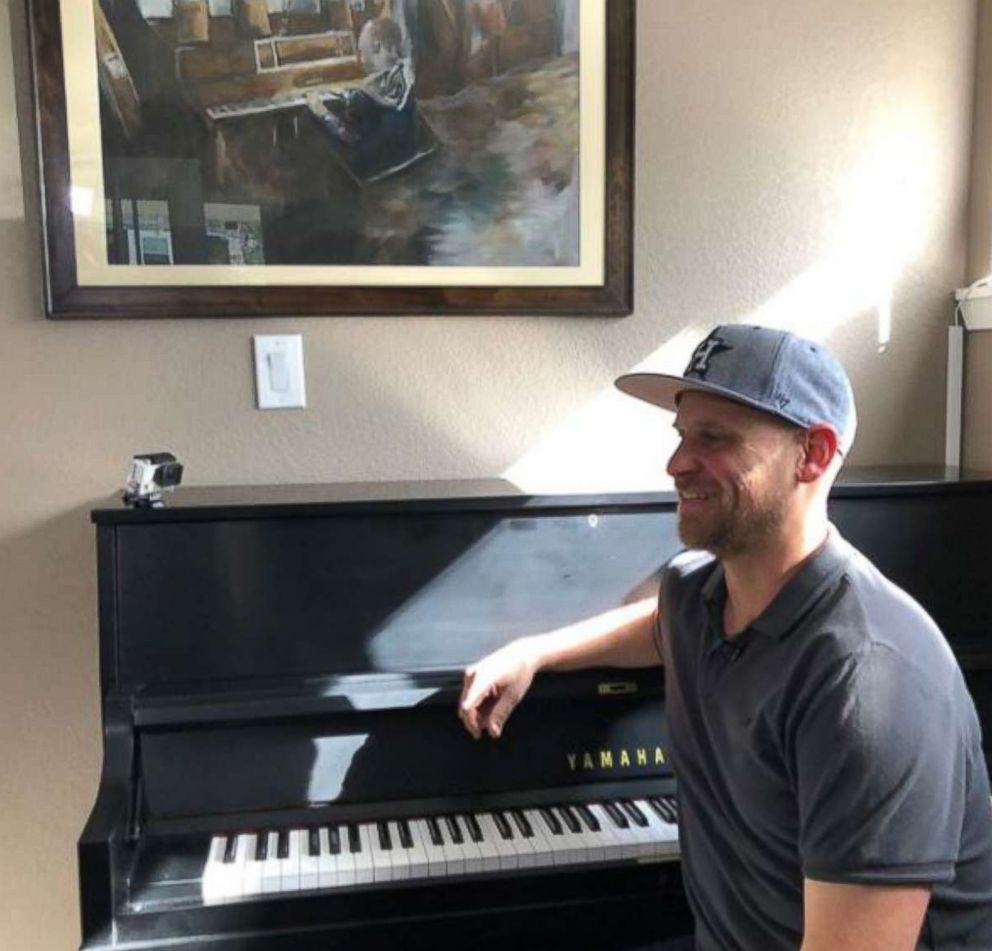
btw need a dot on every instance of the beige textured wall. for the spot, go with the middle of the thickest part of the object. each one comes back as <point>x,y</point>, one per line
<point>803,164</point>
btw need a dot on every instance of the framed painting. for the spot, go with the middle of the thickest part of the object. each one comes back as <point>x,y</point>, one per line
<point>318,157</point>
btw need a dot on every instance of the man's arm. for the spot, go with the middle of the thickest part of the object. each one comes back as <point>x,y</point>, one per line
<point>623,637</point>
<point>862,917</point>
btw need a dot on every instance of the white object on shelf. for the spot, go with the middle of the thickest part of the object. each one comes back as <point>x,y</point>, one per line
<point>975,304</point>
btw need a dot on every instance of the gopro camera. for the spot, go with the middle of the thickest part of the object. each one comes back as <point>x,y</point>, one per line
<point>152,473</point>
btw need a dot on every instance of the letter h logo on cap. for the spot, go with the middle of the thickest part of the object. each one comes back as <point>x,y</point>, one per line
<point>699,363</point>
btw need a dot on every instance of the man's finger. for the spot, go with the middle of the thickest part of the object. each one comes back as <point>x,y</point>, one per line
<point>476,692</point>
<point>467,679</point>
<point>500,713</point>
<point>468,710</point>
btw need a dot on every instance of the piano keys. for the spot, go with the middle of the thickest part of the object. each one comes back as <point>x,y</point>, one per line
<point>243,866</point>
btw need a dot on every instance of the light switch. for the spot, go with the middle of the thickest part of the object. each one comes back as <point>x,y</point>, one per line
<point>279,371</point>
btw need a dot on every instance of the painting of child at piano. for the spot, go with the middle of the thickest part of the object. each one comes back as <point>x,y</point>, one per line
<point>407,132</point>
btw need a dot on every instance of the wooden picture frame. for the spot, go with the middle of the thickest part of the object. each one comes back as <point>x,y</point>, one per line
<point>83,225</point>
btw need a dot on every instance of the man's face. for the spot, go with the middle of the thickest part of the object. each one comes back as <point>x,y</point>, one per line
<point>735,472</point>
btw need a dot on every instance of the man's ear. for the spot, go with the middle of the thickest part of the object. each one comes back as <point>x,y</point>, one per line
<point>819,449</point>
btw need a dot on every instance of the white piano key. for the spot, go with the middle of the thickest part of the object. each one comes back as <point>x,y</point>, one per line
<point>419,860</point>
<point>211,881</point>
<point>364,873</point>
<point>401,854</point>
<point>234,877</point>
<point>586,839</point>
<point>271,867</point>
<point>473,855</point>
<point>600,845</point>
<point>251,868</point>
<point>552,848</point>
<point>347,870</point>
<point>382,859</point>
<point>327,864</point>
<point>525,849</point>
<point>499,855</point>
<point>543,850</point>
<point>558,846</point>
<point>665,835</point>
<point>575,841</point>
<point>536,842</point>
<point>455,857</point>
<point>627,844</point>
<point>609,848</point>
<point>289,868</point>
<point>488,847</point>
<point>437,863</point>
<point>641,835</point>
<point>309,864</point>
<point>230,876</point>
<point>645,836</point>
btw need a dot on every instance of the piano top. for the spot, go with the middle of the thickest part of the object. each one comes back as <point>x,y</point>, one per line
<point>189,503</point>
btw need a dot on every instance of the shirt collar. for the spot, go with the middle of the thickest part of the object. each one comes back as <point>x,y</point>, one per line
<point>815,575</point>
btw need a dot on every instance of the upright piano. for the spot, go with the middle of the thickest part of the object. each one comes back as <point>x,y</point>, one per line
<point>280,669</point>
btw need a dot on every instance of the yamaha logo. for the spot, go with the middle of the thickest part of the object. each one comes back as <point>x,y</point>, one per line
<point>616,759</point>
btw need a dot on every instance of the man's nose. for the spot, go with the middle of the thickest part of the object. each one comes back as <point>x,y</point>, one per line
<point>681,461</point>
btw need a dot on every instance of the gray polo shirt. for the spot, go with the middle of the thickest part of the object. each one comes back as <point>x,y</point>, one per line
<point>834,739</point>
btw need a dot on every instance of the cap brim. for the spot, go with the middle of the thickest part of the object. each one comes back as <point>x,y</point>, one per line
<point>663,389</point>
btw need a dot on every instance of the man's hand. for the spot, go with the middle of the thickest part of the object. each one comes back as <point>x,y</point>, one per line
<point>493,686</point>
<point>863,917</point>
<point>621,637</point>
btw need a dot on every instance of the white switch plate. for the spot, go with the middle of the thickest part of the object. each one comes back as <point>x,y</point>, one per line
<point>279,371</point>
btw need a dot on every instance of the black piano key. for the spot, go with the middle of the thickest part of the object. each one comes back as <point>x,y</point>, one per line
<point>665,808</point>
<point>262,847</point>
<point>313,842</point>
<point>618,818</point>
<point>406,836</point>
<point>282,851</point>
<point>354,839</point>
<point>474,829</point>
<point>656,807</point>
<point>334,839</point>
<point>634,812</point>
<point>570,819</point>
<point>586,815</point>
<point>551,821</point>
<point>673,806</point>
<point>454,829</point>
<point>385,839</point>
<point>523,824</point>
<point>503,824</point>
<point>435,830</point>
<point>230,849</point>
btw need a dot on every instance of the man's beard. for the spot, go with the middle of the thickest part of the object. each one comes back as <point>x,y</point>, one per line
<point>745,528</point>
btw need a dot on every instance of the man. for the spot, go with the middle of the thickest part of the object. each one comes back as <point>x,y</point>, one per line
<point>833,792</point>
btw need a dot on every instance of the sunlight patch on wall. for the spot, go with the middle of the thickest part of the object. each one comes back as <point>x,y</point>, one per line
<point>612,442</point>
<point>875,226</point>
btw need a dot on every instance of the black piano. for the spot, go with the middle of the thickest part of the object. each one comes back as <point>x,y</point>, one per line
<point>280,667</point>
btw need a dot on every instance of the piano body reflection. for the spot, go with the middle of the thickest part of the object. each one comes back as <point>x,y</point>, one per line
<point>283,765</point>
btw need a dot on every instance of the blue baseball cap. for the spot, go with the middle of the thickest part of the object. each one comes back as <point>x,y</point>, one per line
<point>771,370</point>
